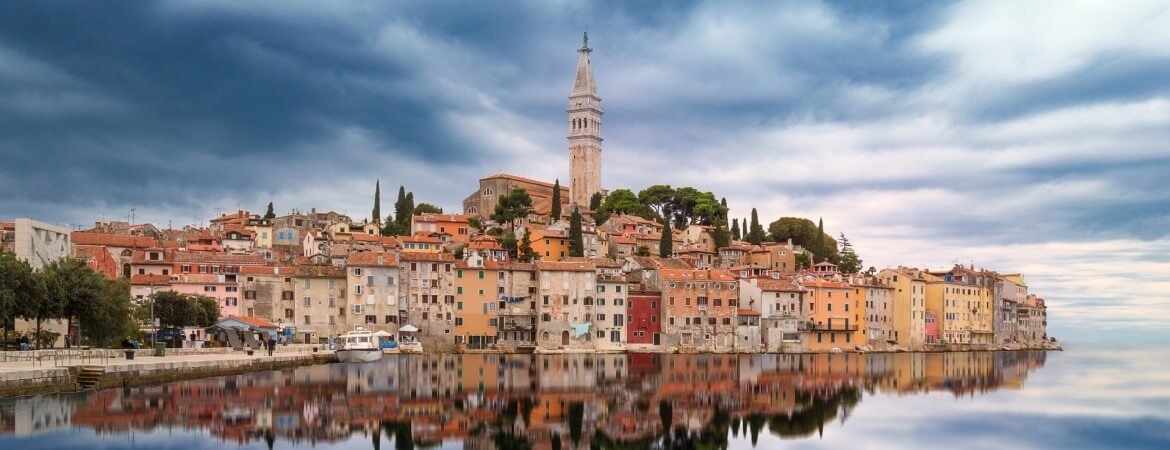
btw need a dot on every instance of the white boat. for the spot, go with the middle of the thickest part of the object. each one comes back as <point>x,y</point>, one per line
<point>408,340</point>
<point>359,345</point>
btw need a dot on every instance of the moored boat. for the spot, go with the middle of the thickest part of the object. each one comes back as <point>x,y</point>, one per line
<point>359,345</point>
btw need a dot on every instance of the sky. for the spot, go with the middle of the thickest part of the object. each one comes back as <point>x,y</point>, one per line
<point>1017,136</point>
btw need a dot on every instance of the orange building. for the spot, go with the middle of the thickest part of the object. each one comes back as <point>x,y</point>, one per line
<point>475,303</point>
<point>456,225</point>
<point>549,244</point>
<point>834,315</point>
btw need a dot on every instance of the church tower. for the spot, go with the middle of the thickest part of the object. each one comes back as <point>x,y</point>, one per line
<point>584,133</point>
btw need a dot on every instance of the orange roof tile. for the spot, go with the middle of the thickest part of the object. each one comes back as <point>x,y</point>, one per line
<point>769,284</point>
<point>370,259</point>
<point>430,257</point>
<point>253,321</point>
<point>111,240</point>
<point>565,266</point>
<point>508,176</point>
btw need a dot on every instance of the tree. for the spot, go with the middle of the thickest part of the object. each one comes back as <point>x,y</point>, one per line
<point>37,304</point>
<point>76,288</point>
<point>735,229</point>
<point>802,261</point>
<point>174,310</point>
<point>659,198</point>
<point>555,443</point>
<point>756,232</point>
<point>803,232</point>
<point>270,214</point>
<point>525,252</point>
<point>517,204</point>
<point>820,250</point>
<point>666,244</point>
<point>377,213</point>
<point>427,208</point>
<point>847,260</point>
<point>206,310</point>
<point>576,237</point>
<point>508,242</point>
<point>642,251</point>
<point>595,201</point>
<point>721,236</point>
<point>19,287</point>
<point>556,201</point>
<point>623,201</point>
<point>110,321</point>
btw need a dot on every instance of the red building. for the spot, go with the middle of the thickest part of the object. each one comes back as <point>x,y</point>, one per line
<point>931,327</point>
<point>645,311</point>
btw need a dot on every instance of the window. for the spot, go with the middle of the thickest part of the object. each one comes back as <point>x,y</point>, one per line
<point>618,320</point>
<point>308,301</point>
<point>600,288</point>
<point>307,320</point>
<point>286,295</point>
<point>357,271</point>
<point>458,321</point>
<point>249,295</point>
<point>617,288</point>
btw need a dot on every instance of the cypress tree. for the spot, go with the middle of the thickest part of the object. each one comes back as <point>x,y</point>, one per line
<point>400,208</point>
<point>377,216</point>
<point>735,229</point>
<point>576,237</point>
<point>666,244</point>
<point>595,202</point>
<point>756,232</point>
<point>270,214</point>
<point>524,251</point>
<point>404,226</point>
<point>556,201</point>
<point>820,251</point>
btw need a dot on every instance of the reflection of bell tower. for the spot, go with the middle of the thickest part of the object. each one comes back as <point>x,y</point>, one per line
<point>584,132</point>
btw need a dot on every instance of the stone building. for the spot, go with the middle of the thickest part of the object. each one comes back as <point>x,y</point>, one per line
<point>319,290</point>
<point>700,309</point>
<point>779,302</point>
<point>609,318</point>
<point>566,305</point>
<point>517,310</point>
<point>483,201</point>
<point>270,293</point>
<point>428,285</point>
<point>584,132</point>
<point>909,305</point>
<point>373,280</point>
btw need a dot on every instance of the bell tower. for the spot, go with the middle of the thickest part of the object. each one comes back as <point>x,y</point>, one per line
<point>584,132</point>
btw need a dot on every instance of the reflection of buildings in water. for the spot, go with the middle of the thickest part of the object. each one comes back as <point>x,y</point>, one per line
<point>473,397</point>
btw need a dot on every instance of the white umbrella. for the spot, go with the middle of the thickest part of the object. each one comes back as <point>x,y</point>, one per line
<point>408,329</point>
<point>382,333</point>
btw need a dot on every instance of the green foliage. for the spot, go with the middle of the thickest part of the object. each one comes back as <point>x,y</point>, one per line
<point>525,251</point>
<point>111,321</point>
<point>576,237</point>
<point>44,338</point>
<point>595,201</point>
<point>377,213</point>
<point>659,198</point>
<point>820,250</point>
<point>474,223</point>
<point>804,232</point>
<point>622,201</point>
<point>174,310</point>
<point>19,288</point>
<point>666,243</point>
<point>206,310</point>
<point>509,243</point>
<point>721,236</point>
<point>735,229</point>
<point>802,261</point>
<point>516,205</point>
<point>270,214</point>
<point>756,232</point>
<point>76,288</point>
<point>427,208</point>
<point>556,201</point>
<point>847,259</point>
<point>684,206</point>
<point>642,251</point>
<point>403,208</point>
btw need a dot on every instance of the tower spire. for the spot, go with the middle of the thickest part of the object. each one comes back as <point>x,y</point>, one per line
<point>584,131</point>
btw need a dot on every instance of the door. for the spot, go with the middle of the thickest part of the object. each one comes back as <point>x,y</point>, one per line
<point>657,339</point>
<point>565,338</point>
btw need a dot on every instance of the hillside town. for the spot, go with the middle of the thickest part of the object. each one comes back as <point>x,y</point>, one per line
<point>529,265</point>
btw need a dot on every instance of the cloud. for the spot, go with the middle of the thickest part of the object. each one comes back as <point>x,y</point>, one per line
<point>1027,137</point>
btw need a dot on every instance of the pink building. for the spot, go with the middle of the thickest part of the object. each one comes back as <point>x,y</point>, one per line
<point>931,327</point>
<point>222,287</point>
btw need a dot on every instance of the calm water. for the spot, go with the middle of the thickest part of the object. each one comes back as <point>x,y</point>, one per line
<point>1081,398</point>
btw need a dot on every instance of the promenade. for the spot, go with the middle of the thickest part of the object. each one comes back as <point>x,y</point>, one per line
<point>41,371</point>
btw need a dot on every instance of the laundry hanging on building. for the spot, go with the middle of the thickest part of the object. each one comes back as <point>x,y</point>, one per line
<point>580,329</point>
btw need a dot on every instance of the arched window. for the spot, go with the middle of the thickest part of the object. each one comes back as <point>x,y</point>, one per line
<point>545,336</point>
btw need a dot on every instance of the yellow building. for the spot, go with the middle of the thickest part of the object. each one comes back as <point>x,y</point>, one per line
<point>957,306</point>
<point>549,244</point>
<point>475,303</point>
<point>909,298</point>
<point>421,243</point>
<point>834,315</point>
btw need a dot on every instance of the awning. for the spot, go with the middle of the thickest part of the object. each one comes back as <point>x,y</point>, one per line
<point>383,333</point>
<point>408,329</point>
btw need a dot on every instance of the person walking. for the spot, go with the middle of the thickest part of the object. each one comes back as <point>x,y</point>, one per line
<point>271,344</point>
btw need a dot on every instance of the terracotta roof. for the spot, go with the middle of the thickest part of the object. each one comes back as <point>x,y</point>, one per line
<point>509,265</point>
<point>253,321</point>
<point>424,256</point>
<point>622,240</point>
<point>824,284</point>
<point>363,237</point>
<point>319,271</point>
<point>769,284</point>
<point>508,176</point>
<point>540,233</point>
<point>111,240</point>
<point>157,280</point>
<point>370,259</point>
<point>389,241</point>
<point>655,262</point>
<point>484,242</point>
<point>217,257</point>
<point>747,312</point>
<point>139,257</point>
<point>605,262</point>
<point>439,217</point>
<point>565,266</point>
<point>695,274</point>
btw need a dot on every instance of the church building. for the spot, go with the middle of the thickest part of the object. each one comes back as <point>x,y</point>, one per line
<point>584,114</point>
